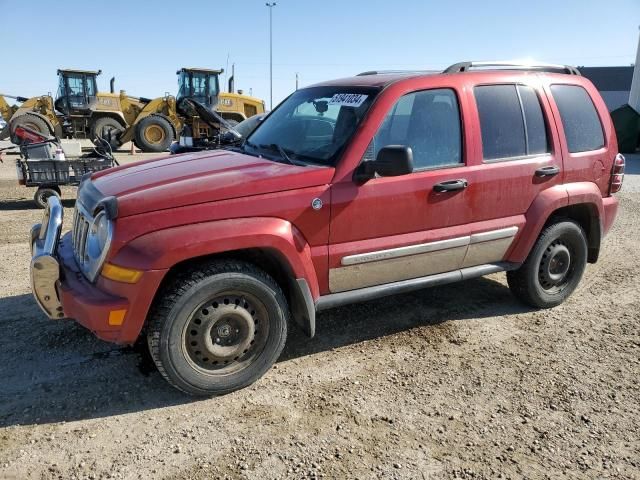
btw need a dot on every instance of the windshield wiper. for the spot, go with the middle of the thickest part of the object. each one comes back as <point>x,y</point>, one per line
<point>281,151</point>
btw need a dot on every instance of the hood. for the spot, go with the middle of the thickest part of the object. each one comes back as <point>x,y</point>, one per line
<point>201,177</point>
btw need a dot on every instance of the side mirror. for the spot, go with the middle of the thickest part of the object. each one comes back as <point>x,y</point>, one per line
<point>392,161</point>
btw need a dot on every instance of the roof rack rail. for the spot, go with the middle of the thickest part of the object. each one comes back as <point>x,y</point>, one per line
<point>391,72</point>
<point>515,65</point>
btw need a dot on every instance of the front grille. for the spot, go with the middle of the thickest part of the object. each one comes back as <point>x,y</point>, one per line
<point>79,235</point>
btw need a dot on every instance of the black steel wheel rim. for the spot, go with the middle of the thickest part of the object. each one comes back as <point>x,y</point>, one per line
<point>226,333</point>
<point>556,266</point>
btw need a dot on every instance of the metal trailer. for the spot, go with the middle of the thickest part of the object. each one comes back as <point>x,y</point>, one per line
<point>50,175</point>
<point>40,165</point>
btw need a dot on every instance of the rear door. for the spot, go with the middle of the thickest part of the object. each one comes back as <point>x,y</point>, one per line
<point>583,140</point>
<point>518,156</point>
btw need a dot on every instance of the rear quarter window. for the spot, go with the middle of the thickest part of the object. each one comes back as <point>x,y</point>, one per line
<point>580,119</point>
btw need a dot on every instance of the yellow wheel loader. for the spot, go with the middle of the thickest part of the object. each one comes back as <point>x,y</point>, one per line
<point>162,120</point>
<point>78,111</point>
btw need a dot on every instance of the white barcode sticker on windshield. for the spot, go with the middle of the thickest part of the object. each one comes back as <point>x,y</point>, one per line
<point>348,99</point>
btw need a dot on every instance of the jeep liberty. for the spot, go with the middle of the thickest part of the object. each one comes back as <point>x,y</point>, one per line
<point>349,190</point>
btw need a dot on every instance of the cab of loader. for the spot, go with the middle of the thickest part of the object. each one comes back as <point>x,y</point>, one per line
<point>199,84</point>
<point>77,91</point>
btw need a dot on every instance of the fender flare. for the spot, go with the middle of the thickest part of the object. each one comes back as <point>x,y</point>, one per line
<point>164,249</point>
<point>543,207</point>
<point>118,116</point>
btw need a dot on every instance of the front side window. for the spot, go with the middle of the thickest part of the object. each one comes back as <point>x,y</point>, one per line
<point>312,125</point>
<point>511,122</point>
<point>91,86</point>
<point>429,123</point>
<point>580,119</point>
<point>213,85</point>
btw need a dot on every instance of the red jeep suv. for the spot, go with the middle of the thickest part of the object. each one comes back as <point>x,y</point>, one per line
<point>349,190</point>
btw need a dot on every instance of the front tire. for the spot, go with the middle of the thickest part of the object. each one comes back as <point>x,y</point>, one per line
<point>554,267</point>
<point>30,121</point>
<point>106,128</point>
<point>154,134</point>
<point>218,328</point>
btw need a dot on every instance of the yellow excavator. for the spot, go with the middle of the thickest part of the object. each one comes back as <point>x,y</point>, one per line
<point>80,111</point>
<point>162,120</point>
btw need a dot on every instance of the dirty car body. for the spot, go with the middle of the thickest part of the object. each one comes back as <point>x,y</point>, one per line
<point>350,190</point>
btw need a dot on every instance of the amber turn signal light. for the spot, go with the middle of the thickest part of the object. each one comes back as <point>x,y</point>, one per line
<point>116,317</point>
<point>120,274</point>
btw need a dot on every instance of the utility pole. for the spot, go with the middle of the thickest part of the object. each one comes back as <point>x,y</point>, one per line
<point>296,80</point>
<point>270,5</point>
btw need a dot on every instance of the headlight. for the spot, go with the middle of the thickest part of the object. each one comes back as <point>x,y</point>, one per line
<point>98,242</point>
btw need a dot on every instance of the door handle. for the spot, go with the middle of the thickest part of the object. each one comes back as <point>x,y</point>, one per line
<point>549,171</point>
<point>451,185</point>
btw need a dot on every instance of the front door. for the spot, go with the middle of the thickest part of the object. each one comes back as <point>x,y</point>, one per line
<point>397,228</point>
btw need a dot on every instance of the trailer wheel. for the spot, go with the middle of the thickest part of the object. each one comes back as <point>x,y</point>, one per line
<point>154,134</point>
<point>42,195</point>
<point>107,128</point>
<point>32,122</point>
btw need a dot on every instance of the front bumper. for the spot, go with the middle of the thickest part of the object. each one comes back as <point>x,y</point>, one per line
<point>62,291</point>
<point>45,269</point>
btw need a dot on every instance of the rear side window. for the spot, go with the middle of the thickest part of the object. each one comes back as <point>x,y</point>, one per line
<point>580,119</point>
<point>535,128</point>
<point>511,122</point>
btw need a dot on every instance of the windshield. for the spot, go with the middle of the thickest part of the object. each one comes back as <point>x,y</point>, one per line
<point>200,86</point>
<point>313,124</point>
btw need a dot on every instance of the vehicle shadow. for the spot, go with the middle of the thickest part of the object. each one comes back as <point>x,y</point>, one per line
<point>54,371</point>
<point>29,204</point>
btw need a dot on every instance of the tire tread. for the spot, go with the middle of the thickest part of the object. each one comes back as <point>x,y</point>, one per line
<point>180,284</point>
<point>519,280</point>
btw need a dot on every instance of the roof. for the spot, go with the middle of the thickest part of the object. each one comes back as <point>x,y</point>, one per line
<point>198,69</point>
<point>609,79</point>
<point>71,70</point>
<point>374,80</point>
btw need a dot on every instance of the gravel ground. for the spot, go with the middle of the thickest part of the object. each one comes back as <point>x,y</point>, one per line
<point>459,381</point>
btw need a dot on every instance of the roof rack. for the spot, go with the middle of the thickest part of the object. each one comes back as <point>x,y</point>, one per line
<point>515,65</point>
<point>393,72</point>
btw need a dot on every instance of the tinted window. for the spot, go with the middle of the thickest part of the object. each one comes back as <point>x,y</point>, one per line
<point>536,131</point>
<point>579,117</point>
<point>500,121</point>
<point>429,123</point>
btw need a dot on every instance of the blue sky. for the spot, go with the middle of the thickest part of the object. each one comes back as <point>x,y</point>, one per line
<point>142,43</point>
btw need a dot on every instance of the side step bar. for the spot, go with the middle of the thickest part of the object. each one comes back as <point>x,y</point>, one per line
<point>369,293</point>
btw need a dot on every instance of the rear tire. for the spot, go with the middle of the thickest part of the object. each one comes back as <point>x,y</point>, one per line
<point>101,129</point>
<point>28,120</point>
<point>217,328</point>
<point>554,267</point>
<point>154,134</point>
<point>42,195</point>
